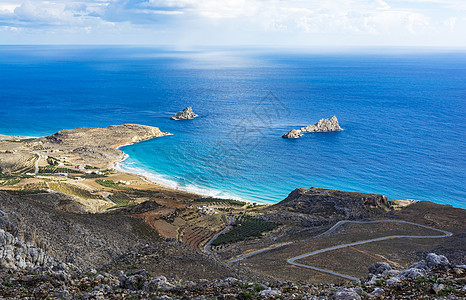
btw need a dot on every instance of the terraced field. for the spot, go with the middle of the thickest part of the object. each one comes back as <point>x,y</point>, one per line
<point>195,236</point>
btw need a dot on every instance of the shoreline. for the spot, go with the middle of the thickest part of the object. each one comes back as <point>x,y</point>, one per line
<point>152,177</point>
<point>158,179</point>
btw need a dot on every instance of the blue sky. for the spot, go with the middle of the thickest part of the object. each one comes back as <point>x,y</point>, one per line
<point>278,23</point>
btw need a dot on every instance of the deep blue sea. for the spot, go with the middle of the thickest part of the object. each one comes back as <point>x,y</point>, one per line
<point>402,111</point>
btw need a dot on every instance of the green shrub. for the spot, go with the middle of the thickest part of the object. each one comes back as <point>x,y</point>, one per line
<point>245,227</point>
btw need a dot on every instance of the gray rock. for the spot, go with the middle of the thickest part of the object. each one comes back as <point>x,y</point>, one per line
<point>64,295</point>
<point>134,282</point>
<point>377,292</point>
<point>435,261</point>
<point>324,125</point>
<point>379,268</point>
<point>393,280</point>
<point>419,265</point>
<point>437,288</point>
<point>412,273</point>
<point>270,293</point>
<point>346,294</point>
<point>185,114</point>
<point>292,134</point>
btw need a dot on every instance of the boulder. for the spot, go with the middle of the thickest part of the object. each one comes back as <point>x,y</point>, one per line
<point>379,268</point>
<point>346,294</point>
<point>434,261</point>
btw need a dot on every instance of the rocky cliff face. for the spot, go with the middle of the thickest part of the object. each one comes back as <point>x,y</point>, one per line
<point>185,114</point>
<point>16,254</point>
<point>324,125</point>
<point>315,206</point>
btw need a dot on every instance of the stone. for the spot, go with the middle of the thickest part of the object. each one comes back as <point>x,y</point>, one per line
<point>185,114</point>
<point>324,125</point>
<point>346,294</point>
<point>292,134</point>
<point>437,288</point>
<point>377,292</point>
<point>412,273</point>
<point>379,268</point>
<point>270,293</point>
<point>393,280</point>
<point>435,261</point>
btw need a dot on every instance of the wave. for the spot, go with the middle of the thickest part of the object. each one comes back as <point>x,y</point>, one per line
<point>167,182</point>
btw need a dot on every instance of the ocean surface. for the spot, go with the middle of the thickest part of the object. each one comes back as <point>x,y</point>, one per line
<point>402,111</point>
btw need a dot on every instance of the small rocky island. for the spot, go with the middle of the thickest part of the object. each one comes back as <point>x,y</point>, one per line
<point>324,125</point>
<point>185,114</point>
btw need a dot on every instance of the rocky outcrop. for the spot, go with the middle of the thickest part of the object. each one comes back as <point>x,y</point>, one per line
<point>64,283</point>
<point>432,277</point>
<point>316,206</point>
<point>185,114</point>
<point>16,254</point>
<point>293,134</point>
<point>324,125</point>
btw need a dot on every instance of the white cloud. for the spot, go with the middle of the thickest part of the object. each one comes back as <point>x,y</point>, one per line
<point>240,19</point>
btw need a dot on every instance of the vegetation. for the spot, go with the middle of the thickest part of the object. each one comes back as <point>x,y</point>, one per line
<point>112,184</point>
<point>55,170</point>
<point>245,227</point>
<point>120,199</point>
<point>218,201</point>
<point>24,191</point>
<point>52,161</point>
<point>72,190</point>
<point>94,175</point>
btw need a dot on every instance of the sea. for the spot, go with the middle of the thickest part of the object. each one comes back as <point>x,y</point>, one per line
<point>402,111</point>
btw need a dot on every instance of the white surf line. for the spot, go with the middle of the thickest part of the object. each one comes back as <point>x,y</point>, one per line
<point>207,246</point>
<point>332,229</point>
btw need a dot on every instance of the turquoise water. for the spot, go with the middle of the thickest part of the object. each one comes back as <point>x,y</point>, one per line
<point>403,115</point>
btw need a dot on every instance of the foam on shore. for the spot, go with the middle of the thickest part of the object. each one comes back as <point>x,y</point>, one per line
<point>164,181</point>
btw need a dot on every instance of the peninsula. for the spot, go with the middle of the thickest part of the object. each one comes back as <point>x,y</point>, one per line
<point>72,225</point>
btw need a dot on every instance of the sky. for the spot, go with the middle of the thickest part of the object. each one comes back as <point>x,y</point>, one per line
<point>268,23</point>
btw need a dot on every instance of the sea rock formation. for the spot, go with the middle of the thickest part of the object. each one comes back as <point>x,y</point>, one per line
<point>324,125</point>
<point>293,134</point>
<point>185,114</point>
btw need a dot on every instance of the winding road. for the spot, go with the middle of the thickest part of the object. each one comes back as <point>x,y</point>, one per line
<point>104,194</point>
<point>332,229</point>
<point>207,246</point>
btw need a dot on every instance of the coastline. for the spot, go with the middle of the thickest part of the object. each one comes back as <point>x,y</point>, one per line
<point>160,180</point>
